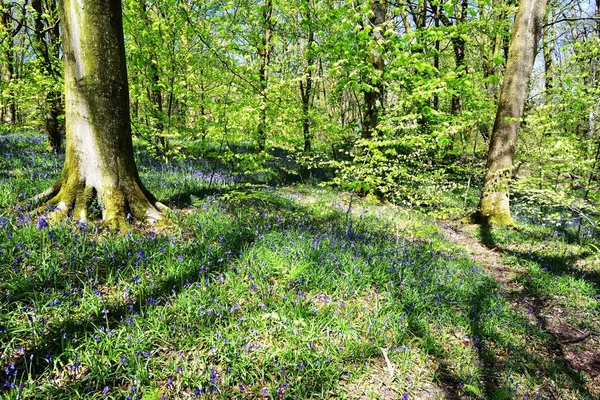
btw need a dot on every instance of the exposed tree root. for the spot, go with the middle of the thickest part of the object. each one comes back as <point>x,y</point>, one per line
<point>42,197</point>
<point>130,202</point>
<point>491,221</point>
<point>581,338</point>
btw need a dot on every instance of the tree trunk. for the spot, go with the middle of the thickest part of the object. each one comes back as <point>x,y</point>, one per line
<point>374,96</point>
<point>490,65</point>
<point>265,54</point>
<point>458,43</point>
<point>99,152</point>
<point>593,77</point>
<point>494,204</point>
<point>306,83</point>
<point>436,56</point>
<point>548,46</point>
<point>420,14</point>
<point>53,98</point>
<point>154,91</point>
<point>9,108</point>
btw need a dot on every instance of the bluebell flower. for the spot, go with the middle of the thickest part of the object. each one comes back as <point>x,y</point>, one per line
<point>42,224</point>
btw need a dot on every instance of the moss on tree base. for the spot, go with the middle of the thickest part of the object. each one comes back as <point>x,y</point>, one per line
<point>72,198</point>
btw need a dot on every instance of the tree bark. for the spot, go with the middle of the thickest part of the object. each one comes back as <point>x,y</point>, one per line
<point>306,83</point>
<point>548,47</point>
<point>265,54</point>
<point>436,57</point>
<point>99,152</point>
<point>44,49</point>
<point>154,91</point>
<point>458,43</point>
<point>494,203</point>
<point>10,108</point>
<point>374,96</point>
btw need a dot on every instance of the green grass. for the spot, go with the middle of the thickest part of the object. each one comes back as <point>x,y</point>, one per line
<point>259,292</point>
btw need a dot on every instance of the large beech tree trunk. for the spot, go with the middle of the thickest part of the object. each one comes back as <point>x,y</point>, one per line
<point>99,152</point>
<point>494,204</point>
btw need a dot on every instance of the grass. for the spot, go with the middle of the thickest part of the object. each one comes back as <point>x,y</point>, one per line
<point>265,292</point>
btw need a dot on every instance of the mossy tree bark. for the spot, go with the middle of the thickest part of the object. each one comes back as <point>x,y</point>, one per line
<point>99,152</point>
<point>494,203</point>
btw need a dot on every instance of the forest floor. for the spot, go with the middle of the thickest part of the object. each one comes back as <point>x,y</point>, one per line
<point>262,291</point>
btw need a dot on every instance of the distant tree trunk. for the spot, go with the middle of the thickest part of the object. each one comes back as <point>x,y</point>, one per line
<point>306,83</point>
<point>458,45</point>
<point>593,77</point>
<point>491,57</point>
<point>436,56</point>
<point>9,108</point>
<point>154,92</point>
<point>203,116</point>
<point>458,42</point>
<point>44,48</point>
<point>548,41</point>
<point>419,14</point>
<point>494,203</point>
<point>99,152</point>
<point>374,96</point>
<point>265,54</point>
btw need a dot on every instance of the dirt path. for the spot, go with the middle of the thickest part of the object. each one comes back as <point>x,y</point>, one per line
<point>489,259</point>
<point>580,350</point>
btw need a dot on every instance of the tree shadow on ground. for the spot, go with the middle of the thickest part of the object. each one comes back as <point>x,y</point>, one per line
<point>538,300</point>
<point>555,264</point>
<point>268,209</point>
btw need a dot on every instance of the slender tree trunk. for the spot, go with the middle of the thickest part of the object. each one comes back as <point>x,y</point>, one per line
<point>10,108</point>
<point>99,152</point>
<point>490,63</point>
<point>44,48</point>
<point>203,127</point>
<point>420,14</point>
<point>458,43</point>
<point>593,77</point>
<point>548,41</point>
<point>265,54</point>
<point>306,84</point>
<point>494,204</point>
<point>154,92</point>
<point>436,56</point>
<point>305,94</point>
<point>374,96</point>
